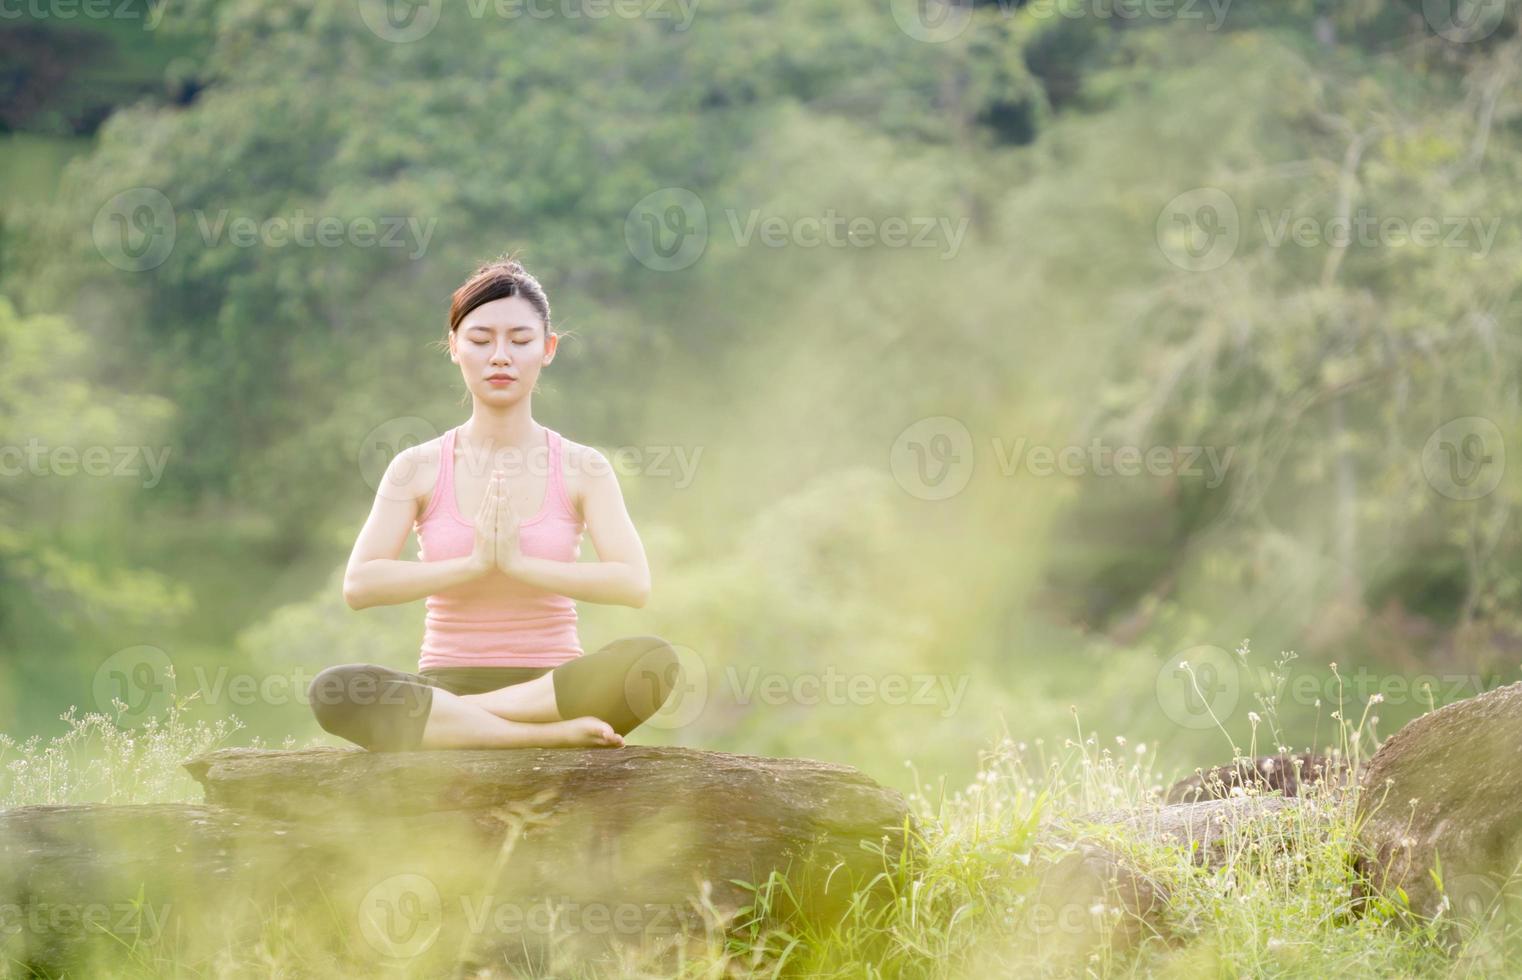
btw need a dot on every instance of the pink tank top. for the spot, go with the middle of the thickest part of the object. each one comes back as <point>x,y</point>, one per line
<point>494,620</point>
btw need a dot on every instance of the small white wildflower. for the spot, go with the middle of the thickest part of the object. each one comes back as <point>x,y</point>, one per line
<point>1120,740</point>
<point>1376,698</point>
<point>1252,716</point>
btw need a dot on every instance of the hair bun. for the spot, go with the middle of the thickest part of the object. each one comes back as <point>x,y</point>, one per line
<point>498,278</point>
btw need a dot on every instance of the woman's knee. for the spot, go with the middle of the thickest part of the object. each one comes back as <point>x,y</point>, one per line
<point>364,702</point>
<point>661,667</point>
<point>624,683</point>
<point>650,669</point>
<point>333,693</point>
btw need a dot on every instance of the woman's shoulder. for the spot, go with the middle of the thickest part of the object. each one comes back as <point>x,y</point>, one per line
<point>580,464</point>
<point>417,471</point>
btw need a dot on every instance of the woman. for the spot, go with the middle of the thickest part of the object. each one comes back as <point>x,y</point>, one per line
<point>501,663</point>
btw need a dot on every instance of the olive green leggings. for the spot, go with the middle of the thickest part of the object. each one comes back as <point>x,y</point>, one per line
<point>386,710</point>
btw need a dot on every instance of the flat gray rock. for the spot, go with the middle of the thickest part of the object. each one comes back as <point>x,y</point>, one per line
<point>430,860</point>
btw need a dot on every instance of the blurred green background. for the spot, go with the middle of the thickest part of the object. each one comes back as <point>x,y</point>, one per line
<point>1142,330</point>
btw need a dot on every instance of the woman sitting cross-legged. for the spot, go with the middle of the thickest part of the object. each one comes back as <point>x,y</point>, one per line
<point>501,663</point>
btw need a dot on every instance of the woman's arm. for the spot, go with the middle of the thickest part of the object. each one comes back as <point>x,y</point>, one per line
<point>375,576</point>
<point>621,576</point>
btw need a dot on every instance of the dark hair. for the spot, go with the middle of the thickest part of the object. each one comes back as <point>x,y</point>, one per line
<point>501,277</point>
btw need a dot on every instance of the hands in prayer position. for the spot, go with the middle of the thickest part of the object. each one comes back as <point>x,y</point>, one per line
<point>496,525</point>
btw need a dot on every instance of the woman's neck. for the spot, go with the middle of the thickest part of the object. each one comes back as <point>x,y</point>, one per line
<point>509,428</point>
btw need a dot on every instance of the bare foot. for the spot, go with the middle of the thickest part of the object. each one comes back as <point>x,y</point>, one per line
<point>586,732</point>
<point>454,723</point>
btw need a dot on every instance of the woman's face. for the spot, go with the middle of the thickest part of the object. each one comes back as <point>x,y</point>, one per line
<point>503,339</point>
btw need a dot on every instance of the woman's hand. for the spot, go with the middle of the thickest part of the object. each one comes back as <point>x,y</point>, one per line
<point>509,556</point>
<point>483,557</point>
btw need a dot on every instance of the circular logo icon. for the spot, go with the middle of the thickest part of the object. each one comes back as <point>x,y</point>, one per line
<point>1463,21</point>
<point>933,458</point>
<point>1472,897</point>
<point>933,21</point>
<point>134,231</point>
<point>400,21</point>
<point>140,677</point>
<point>1198,688</point>
<point>382,444</point>
<point>401,916</point>
<point>668,692</point>
<point>667,229</point>
<point>1199,229</point>
<point>1465,458</point>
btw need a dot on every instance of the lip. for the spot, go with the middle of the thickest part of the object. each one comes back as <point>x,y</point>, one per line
<point>500,379</point>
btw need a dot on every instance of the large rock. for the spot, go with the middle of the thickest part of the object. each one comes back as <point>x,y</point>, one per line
<point>648,821</point>
<point>1089,893</point>
<point>430,860</point>
<point>1445,788</point>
